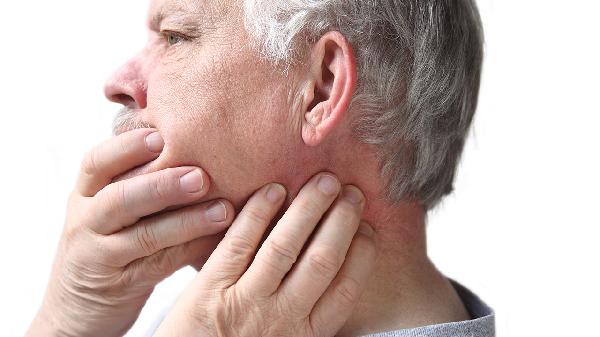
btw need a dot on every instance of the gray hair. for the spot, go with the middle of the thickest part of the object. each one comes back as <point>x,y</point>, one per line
<point>419,68</point>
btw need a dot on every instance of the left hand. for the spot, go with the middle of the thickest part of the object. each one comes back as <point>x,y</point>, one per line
<point>273,293</point>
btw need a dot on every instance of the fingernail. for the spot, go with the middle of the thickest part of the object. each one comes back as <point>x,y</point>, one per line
<point>275,193</point>
<point>217,212</point>
<point>353,195</point>
<point>328,184</point>
<point>192,182</point>
<point>154,142</point>
<point>366,229</point>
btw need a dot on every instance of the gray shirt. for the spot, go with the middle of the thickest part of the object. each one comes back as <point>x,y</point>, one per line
<point>482,323</point>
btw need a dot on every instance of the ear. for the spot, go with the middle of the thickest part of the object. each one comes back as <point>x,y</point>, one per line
<point>331,83</point>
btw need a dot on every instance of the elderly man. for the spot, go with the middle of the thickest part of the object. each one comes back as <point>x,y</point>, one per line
<point>330,127</point>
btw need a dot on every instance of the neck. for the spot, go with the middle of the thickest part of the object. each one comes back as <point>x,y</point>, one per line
<point>405,290</point>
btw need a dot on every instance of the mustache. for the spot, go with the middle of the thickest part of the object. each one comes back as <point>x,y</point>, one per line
<point>126,120</point>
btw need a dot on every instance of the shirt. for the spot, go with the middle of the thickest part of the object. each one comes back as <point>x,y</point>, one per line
<point>482,323</point>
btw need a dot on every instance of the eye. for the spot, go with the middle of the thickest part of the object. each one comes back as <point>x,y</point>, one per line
<point>172,38</point>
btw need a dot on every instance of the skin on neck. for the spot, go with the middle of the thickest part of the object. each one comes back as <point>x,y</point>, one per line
<point>405,290</point>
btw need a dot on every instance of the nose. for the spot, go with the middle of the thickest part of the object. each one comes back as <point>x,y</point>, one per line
<point>128,85</point>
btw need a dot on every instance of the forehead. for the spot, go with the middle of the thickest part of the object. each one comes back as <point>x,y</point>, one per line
<point>163,8</point>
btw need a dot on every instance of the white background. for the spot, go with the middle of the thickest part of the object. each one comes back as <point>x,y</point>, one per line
<point>521,229</point>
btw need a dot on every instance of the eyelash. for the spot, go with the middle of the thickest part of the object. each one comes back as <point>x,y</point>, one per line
<point>167,35</point>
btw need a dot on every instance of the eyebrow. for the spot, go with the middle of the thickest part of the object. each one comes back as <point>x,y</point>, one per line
<point>189,21</point>
<point>159,17</point>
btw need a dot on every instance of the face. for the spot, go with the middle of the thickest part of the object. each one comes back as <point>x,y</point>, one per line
<point>216,103</point>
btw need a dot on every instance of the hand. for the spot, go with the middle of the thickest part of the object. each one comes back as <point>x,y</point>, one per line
<point>279,294</point>
<point>114,248</point>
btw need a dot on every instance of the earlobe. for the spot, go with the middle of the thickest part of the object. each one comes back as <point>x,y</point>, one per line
<point>331,87</point>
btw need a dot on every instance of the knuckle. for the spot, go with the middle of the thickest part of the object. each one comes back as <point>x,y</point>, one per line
<point>128,277</point>
<point>287,304</point>
<point>110,251</point>
<point>325,261</point>
<point>256,215</point>
<point>348,291</point>
<point>186,224</point>
<point>160,186</point>
<point>226,310</point>
<point>155,267</point>
<point>113,201</point>
<point>238,248</point>
<point>120,197</point>
<point>105,251</point>
<point>166,263</point>
<point>89,164</point>
<point>281,254</point>
<point>285,249</point>
<point>311,208</point>
<point>75,223</point>
<point>77,219</point>
<point>146,239</point>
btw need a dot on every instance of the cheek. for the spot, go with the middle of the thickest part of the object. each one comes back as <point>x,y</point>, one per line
<point>186,102</point>
<point>216,117</point>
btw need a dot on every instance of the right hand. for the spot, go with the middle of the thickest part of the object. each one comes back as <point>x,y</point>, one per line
<point>114,248</point>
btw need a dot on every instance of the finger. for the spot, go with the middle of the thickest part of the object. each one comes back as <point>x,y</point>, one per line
<point>234,253</point>
<point>323,258</point>
<point>339,301</point>
<point>155,268</point>
<point>174,228</point>
<point>280,250</point>
<point>123,203</point>
<point>115,156</point>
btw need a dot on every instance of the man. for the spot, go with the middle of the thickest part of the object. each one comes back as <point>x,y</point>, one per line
<point>358,109</point>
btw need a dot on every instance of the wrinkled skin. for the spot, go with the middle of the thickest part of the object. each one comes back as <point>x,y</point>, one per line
<point>279,291</point>
<point>217,104</point>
